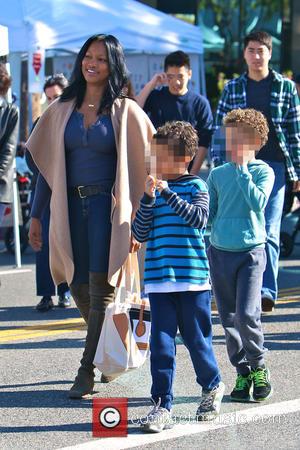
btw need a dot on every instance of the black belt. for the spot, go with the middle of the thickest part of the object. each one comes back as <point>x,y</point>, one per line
<point>87,191</point>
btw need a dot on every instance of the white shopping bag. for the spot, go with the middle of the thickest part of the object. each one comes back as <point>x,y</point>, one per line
<point>124,341</point>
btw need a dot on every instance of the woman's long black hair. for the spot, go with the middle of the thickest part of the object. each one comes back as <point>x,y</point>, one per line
<point>118,74</point>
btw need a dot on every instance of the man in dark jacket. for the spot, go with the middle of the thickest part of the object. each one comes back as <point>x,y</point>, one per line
<point>9,120</point>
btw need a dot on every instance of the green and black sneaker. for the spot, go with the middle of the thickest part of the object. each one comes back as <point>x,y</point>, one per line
<point>262,388</point>
<point>241,390</point>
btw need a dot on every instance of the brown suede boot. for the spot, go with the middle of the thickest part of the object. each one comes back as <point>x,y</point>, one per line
<point>101,294</point>
<point>81,296</point>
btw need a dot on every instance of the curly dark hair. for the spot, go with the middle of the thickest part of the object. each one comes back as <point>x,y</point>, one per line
<point>184,132</point>
<point>5,80</point>
<point>252,118</point>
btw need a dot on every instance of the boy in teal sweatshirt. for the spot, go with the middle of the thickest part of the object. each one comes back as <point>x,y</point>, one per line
<point>239,191</point>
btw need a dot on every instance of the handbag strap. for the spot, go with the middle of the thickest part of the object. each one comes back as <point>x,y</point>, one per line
<point>119,280</point>
<point>135,269</point>
<point>129,278</point>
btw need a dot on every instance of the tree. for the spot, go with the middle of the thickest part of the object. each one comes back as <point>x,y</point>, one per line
<point>232,17</point>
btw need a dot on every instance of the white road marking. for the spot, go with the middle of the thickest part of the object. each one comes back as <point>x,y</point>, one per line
<point>266,414</point>
<point>14,271</point>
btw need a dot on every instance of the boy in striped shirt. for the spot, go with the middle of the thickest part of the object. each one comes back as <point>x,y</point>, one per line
<point>172,219</point>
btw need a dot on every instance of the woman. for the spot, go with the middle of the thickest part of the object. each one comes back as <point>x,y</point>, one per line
<point>95,175</point>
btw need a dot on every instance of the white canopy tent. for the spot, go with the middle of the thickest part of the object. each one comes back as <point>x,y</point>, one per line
<point>66,24</point>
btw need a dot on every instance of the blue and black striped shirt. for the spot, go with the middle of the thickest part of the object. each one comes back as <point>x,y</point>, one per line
<point>173,224</point>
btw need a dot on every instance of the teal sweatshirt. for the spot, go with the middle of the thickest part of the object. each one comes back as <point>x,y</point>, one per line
<point>238,197</point>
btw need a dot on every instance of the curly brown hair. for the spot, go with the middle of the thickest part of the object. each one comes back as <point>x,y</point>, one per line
<point>183,132</point>
<point>5,80</point>
<point>252,118</point>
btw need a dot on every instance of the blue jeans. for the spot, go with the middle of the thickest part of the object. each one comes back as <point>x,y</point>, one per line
<point>90,234</point>
<point>191,313</point>
<point>44,283</point>
<point>273,215</point>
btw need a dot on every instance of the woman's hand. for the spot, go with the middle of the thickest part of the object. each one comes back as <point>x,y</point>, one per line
<point>35,234</point>
<point>150,186</point>
<point>134,245</point>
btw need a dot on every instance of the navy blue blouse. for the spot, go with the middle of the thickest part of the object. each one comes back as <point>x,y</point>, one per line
<point>91,158</point>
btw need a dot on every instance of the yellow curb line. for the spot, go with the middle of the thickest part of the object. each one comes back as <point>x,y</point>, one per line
<point>44,326</point>
<point>71,325</point>
<point>35,335</point>
<point>288,300</point>
<point>295,288</point>
<point>48,329</point>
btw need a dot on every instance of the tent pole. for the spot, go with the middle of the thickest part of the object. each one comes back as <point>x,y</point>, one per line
<point>16,220</point>
<point>202,75</point>
<point>15,201</point>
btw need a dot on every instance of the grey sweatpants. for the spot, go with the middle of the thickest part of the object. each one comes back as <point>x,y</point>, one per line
<point>237,280</point>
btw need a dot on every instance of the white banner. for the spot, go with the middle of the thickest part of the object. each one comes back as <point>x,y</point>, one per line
<point>138,68</point>
<point>64,64</point>
<point>3,41</point>
<point>144,67</point>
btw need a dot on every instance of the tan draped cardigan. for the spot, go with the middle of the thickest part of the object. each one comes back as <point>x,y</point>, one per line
<point>133,131</point>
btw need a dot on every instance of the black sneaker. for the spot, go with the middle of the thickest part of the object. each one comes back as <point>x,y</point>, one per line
<point>45,304</point>
<point>262,388</point>
<point>241,390</point>
<point>64,301</point>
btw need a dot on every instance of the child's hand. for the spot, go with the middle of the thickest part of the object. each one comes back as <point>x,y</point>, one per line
<point>242,157</point>
<point>134,245</point>
<point>241,160</point>
<point>150,186</point>
<point>161,185</point>
<point>245,159</point>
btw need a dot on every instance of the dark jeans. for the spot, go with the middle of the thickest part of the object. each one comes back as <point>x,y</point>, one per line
<point>191,313</point>
<point>90,234</point>
<point>44,282</point>
<point>273,215</point>
<point>289,197</point>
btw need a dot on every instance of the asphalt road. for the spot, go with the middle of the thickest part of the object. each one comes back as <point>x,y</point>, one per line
<point>39,357</point>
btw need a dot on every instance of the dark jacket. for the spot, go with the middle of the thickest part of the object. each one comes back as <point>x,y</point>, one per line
<point>9,120</point>
<point>32,166</point>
